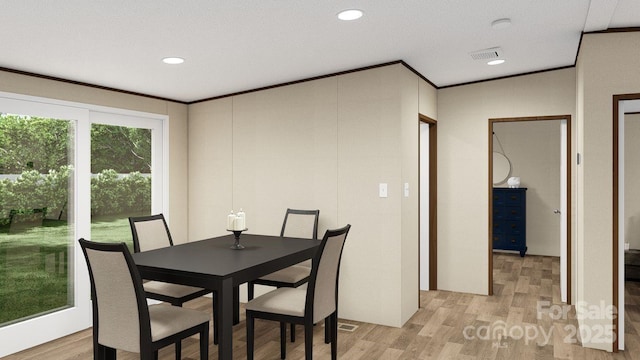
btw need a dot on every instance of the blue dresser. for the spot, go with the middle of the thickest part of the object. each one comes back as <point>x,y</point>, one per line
<point>510,219</point>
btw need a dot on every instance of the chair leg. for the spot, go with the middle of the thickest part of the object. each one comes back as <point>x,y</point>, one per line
<point>334,336</point>
<point>250,289</point>
<point>327,330</point>
<point>283,340</point>
<point>249,325</point>
<point>146,353</point>
<point>178,343</point>
<point>104,353</point>
<point>204,342</point>
<point>308,340</point>
<point>293,332</point>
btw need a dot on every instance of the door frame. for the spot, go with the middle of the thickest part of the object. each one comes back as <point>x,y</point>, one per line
<point>568,195</point>
<point>433,197</point>
<point>21,335</point>
<point>618,275</point>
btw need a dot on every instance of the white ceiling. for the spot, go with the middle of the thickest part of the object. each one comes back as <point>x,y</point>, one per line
<point>238,45</point>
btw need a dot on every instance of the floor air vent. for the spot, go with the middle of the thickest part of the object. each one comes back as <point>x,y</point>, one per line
<point>347,327</point>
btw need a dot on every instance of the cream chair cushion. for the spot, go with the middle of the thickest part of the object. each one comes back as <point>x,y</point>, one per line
<point>167,320</point>
<point>286,301</point>
<point>168,289</point>
<point>292,274</point>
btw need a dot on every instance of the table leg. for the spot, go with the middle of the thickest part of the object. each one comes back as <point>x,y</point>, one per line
<point>236,305</point>
<point>225,320</point>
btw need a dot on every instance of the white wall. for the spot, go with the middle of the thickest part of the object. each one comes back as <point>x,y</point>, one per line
<point>533,147</point>
<point>323,144</point>
<point>463,184</point>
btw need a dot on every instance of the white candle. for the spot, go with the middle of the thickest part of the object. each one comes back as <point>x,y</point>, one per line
<point>241,221</point>
<point>230,221</point>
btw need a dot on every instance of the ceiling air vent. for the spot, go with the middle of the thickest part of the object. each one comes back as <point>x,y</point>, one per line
<point>487,54</point>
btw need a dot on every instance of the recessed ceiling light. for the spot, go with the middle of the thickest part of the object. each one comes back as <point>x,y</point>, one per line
<point>173,60</point>
<point>351,14</point>
<point>495,62</point>
<point>501,23</point>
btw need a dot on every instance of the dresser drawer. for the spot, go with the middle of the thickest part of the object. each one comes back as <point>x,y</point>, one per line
<point>508,197</point>
<point>508,213</point>
<point>508,227</point>
<point>515,243</point>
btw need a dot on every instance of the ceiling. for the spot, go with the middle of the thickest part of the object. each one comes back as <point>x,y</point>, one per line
<point>237,45</point>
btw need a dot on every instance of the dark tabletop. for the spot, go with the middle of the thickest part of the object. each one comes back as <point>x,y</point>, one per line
<point>213,258</point>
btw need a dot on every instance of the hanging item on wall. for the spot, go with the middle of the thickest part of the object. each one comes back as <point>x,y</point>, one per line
<point>501,165</point>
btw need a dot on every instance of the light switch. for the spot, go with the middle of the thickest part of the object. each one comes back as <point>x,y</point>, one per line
<point>406,189</point>
<point>382,190</point>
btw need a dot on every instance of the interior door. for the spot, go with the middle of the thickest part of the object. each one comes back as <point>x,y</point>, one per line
<point>424,206</point>
<point>563,211</point>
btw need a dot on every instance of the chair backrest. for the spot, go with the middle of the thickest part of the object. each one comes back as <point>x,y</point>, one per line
<point>120,312</point>
<point>322,291</point>
<point>150,232</point>
<point>300,224</point>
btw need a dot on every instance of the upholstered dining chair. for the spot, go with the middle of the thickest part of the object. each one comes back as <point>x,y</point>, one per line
<point>319,301</point>
<point>121,317</point>
<point>149,233</point>
<point>298,224</point>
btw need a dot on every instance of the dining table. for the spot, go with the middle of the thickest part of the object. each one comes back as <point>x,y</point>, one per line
<point>214,265</point>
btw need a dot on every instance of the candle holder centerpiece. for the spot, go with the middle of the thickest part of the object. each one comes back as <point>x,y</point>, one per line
<point>236,243</point>
<point>237,223</point>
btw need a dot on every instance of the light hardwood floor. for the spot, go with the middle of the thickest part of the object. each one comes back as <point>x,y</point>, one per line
<point>448,325</point>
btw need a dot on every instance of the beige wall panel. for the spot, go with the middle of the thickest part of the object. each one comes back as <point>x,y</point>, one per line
<point>463,114</point>
<point>428,98</point>
<point>178,172</point>
<point>410,91</point>
<point>533,147</point>
<point>35,86</point>
<point>284,154</point>
<point>323,144</point>
<point>210,168</point>
<point>369,143</point>
<point>631,177</point>
<point>601,76</point>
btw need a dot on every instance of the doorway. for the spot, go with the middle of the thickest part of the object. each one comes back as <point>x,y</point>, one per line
<point>427,225</point>
<point>564,208</point>
<point>622,105</point>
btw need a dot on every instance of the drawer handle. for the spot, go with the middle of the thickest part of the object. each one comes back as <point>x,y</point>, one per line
<point>513,240</point>
<point>514,197</point>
